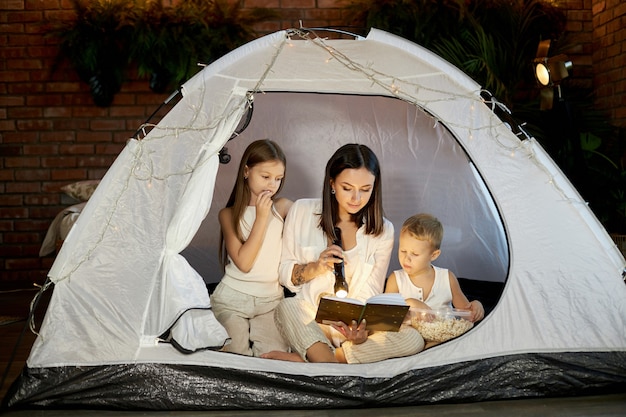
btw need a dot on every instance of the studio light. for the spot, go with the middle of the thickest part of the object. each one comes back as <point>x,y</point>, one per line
<point>542,73</point>
<point>549,72</point>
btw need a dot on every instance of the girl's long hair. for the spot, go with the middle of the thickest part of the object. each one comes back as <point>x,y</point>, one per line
<point>353,156</point>
<point>259,151</point>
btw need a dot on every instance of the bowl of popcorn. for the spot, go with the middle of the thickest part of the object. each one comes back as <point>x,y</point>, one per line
<point>441,324</point>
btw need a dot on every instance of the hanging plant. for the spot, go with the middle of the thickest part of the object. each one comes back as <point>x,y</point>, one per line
<point>170,42</point>
<point>95,44</point>
<point>107,38</point>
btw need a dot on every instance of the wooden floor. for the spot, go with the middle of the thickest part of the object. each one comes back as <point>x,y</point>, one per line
<point>16,304</point>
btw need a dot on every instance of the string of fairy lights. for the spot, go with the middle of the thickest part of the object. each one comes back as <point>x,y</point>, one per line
<point>200,127</point>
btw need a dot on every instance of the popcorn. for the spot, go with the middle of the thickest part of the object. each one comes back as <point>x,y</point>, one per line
<point>440,325</point>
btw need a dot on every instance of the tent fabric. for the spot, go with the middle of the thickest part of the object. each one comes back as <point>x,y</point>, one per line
<point>141,253</point>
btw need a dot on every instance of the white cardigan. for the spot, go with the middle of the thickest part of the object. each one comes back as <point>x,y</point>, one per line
<point>303,241</point>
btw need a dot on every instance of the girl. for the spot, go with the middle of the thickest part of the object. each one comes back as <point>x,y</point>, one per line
<point>251,231</point>
<point>352,202</point>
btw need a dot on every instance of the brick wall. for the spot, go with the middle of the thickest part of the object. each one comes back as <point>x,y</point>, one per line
<point>52,134</point>
<point>301,13</point>
<point>579,28</point>
<point>609,58</point>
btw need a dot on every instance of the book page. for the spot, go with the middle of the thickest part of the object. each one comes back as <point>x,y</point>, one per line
<point>392,298</point>
<point>345,300</point>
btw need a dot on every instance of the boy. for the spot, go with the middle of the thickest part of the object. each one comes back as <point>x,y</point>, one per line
<point>422,284</point>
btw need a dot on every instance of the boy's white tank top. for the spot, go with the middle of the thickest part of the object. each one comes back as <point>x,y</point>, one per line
<point>440,295</point>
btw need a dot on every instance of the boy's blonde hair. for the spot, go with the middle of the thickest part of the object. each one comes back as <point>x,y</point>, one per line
<point>424,226</point>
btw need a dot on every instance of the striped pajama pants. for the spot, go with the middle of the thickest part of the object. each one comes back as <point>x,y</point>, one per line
<point>295,319</point>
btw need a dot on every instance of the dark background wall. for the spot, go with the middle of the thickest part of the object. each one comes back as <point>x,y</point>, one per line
<point>52,134</point>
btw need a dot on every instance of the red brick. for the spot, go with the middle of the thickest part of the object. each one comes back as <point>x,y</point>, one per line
<point>128,111</point>
<point>19,137</point>
<point>77,149</point>
<point>44,100</point>
<point>96,174</point>
<point>93,136</point>
<point>32,250</point>
<point>7,175</point>
<point>6,125</point>
<point>34,125</point>
<point>21,162</point>
<point>24,17</point>
<point>12,200</point>
<point>90,111</point>
<point>11,150</point>
<point>23,187</point>
<point>58,136</point>
<point>12,5</point>
<point>614,26</point>
<point>41,4</point>
<point>12,52</point>
<point>32,174</point>
<point>42,200</point>
<point>40,149</point>
<point>59,111</point>
<point>573,26</point>
<point>25,112</point>
<point>266,4</point>
<point>95,161</point>
<point>11,100</point>
<point>58,162</point>
<point>329,4</point>
<point>62,87</point>
<point>298,4</point>
<point>323,14</point>
<point>598,7</point>
<point>71,124</point>
<point>52,186</point>
<point>21,237</point>
<point>107,124</point>
<point>68,174</point>
<point>602,18</point>
<point>43,52</point>
<point>13,212</point>
<point>12,29</point>
<point>153,100</point>
<point>108,149</point>
<point>60,15</point>
<point>7,225</point>
<point>22,263</point>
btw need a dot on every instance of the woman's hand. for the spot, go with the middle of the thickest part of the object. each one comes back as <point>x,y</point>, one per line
<point>354,333</point>
<point>330,256</point>
<point>303,273</point>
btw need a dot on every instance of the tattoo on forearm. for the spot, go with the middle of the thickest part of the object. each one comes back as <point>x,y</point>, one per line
<point>298,275</point>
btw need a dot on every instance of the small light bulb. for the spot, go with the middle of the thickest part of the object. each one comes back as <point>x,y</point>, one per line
<point>342,293</point>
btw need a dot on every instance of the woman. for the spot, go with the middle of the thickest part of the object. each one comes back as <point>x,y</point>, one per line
<point>352,202</point>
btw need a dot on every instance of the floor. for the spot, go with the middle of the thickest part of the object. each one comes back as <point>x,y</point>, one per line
<point>15,304</point>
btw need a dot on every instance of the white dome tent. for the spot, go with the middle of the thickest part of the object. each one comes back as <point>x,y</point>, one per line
<point>511,219</point>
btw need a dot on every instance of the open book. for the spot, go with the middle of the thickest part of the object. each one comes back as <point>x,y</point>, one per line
<point>382,312</point>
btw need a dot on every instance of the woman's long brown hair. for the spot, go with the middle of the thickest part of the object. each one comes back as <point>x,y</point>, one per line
<point>353,156</point>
